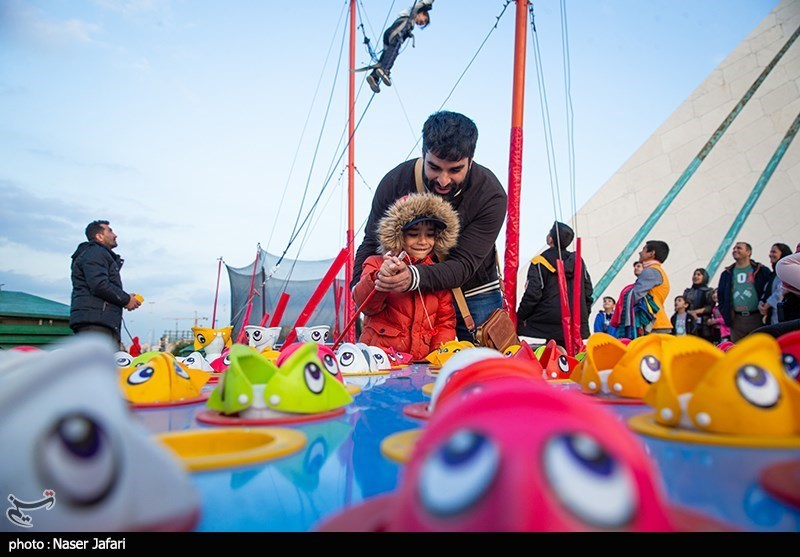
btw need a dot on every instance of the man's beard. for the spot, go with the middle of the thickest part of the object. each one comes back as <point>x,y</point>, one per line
<point>455,187</point>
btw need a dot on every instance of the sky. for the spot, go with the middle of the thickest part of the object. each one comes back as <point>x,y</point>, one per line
<point>202,129</point>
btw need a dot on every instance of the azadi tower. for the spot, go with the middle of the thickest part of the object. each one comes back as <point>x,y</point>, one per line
<point>722,168</point>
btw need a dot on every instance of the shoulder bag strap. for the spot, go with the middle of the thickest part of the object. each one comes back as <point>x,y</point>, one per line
<point>418,175</point>
<point>500,280</point>
<point>464,309</point>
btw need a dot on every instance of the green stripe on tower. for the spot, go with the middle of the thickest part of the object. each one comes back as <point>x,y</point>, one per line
<point>662,206</point>
<point>738,222</point>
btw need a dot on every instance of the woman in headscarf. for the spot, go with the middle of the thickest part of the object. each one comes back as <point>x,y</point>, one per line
<point>698,295</point>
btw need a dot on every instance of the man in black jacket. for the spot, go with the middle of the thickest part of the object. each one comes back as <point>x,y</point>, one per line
<point>539,314</point>
<point>97,294</point>
<point>448,170</point>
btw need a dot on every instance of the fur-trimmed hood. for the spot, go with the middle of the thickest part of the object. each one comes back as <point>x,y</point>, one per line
<point>414,206</point>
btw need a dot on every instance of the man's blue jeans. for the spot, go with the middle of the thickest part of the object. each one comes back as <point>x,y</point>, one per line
<point>481,307</point>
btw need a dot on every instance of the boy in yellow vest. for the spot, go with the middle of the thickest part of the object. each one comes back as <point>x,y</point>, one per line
<point>654,281</point>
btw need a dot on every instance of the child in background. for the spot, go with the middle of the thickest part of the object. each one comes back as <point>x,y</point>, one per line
<point>426,227</point>
<point>682,322</point>
<point>616,318</point>
<point>602,323</point>
<point>721,332</point>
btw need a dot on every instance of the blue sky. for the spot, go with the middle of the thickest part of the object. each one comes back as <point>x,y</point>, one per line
<point>196,126</point>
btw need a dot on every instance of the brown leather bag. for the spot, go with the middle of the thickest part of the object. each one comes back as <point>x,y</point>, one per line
<point>497,332</point>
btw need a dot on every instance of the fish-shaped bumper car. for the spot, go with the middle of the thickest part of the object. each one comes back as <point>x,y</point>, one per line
<point>72,446</point>
<point>523,456</point>
<point>253,386</point>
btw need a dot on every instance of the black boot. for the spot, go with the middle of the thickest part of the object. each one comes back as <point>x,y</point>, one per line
<point>372,79</point>
<point>384,76</point>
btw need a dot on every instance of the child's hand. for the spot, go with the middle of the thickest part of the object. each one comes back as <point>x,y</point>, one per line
<point>393,275</point>
<point>392,264</point>
<point>388,268</point>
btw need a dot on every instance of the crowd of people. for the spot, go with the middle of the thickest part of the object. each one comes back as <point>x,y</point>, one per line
<point>427,270</point>
<point>749,297</point>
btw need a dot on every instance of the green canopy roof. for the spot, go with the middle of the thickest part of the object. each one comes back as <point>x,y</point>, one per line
<point>20,304</point>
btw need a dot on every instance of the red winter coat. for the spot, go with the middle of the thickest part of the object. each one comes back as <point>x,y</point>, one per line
<point>397,319</point>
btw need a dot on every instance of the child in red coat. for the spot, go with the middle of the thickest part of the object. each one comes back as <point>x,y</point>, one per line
<point>425,227</point>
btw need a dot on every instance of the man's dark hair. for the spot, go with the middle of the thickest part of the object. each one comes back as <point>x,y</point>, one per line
<point>450,136</point>
<point>661,249</point>
<point>748,246</point>
<point>93,228</point>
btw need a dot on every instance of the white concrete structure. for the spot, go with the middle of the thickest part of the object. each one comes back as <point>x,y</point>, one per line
<point>696,222</point>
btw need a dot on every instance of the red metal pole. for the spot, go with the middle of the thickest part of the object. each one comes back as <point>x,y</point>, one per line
<point>316,297</point>
<point>216,296</point>
<point>565,314</point>
<point>279,309</point>
<point>351,155</point>
<point>350,323</point>
<point>577,294</point>
<point>250,295</point>
<point>515,160</point>
<point>338,297</point>
<point>241,336</point>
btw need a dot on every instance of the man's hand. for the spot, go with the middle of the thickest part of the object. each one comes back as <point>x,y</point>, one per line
<point>133,303</point>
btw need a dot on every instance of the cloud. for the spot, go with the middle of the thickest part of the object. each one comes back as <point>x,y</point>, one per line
<point>129,7</point>
<point>21,21</point>
<point>57,290</point>
<point>43,223</point>
<point>108,166</point>
<point>10,90</point>
<point>69,31</point>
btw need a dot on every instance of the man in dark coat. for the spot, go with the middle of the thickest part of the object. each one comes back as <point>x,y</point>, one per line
<point>539,314</point>
<point>447,168</point>
<point>97,294</point>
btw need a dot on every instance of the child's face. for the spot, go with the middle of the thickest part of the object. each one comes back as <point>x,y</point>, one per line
<point>418,240</point>
<point>680,304</point>
<point>637,269</point>
<point>608,305</point>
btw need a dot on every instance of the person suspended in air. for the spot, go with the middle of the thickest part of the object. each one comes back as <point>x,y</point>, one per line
<point>394,37</point>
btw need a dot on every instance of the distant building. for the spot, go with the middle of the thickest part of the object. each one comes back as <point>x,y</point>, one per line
<point>28,320</point>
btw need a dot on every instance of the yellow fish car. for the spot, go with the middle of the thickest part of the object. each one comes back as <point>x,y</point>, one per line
<point>603,351</point>
<point>214,341</point>
<point>684,363</point>
<point>446,350</point>
<point>748,392</point>
<point>640,367</point>
<point>161,379</point>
